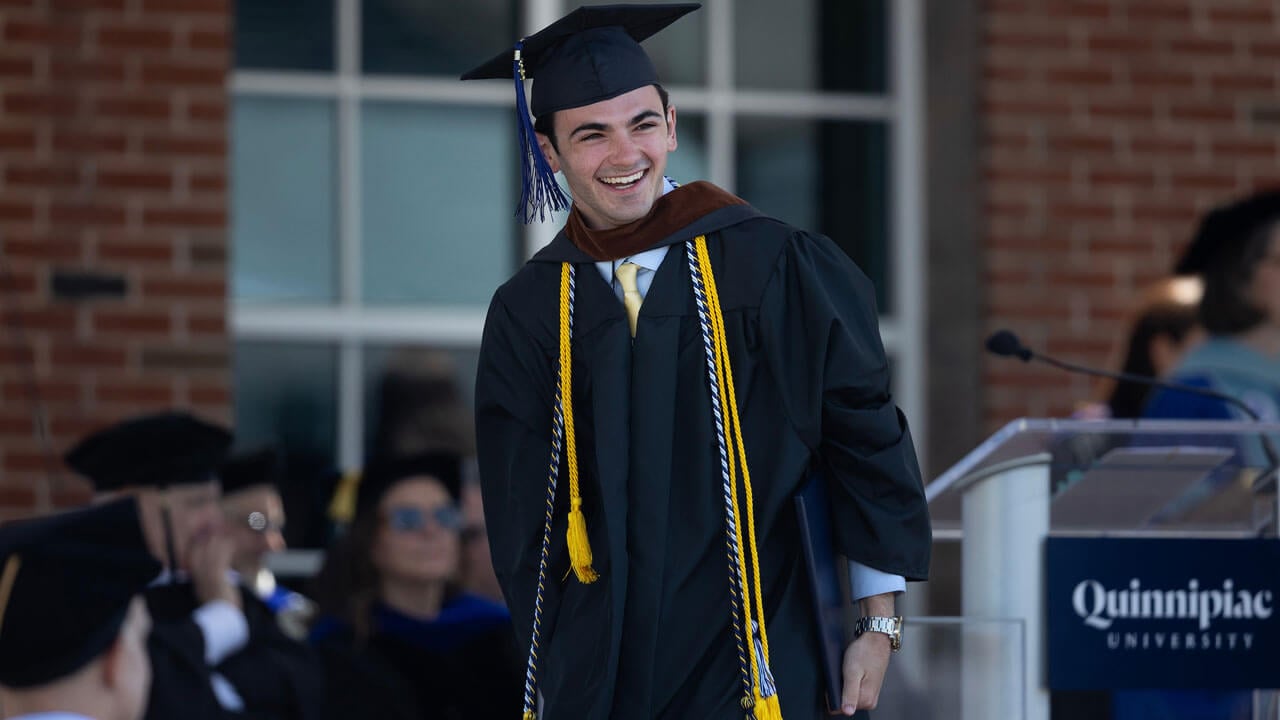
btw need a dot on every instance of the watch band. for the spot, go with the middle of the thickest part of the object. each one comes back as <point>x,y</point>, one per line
<point>891,626</point>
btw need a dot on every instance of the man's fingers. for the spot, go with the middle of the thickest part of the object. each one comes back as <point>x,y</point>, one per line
<point>852,690</point>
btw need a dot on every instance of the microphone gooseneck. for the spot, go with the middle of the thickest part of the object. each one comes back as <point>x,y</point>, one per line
<point>1007,344</point>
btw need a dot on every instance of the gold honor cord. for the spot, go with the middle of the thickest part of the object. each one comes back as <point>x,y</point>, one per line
<point>766,703</point>
<point>579,546</point>
<point>762,699</point>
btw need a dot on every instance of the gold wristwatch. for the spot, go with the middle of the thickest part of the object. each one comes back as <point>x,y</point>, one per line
<point>891,626</point>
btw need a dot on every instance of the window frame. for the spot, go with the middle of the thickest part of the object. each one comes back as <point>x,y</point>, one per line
<point>350,326</point>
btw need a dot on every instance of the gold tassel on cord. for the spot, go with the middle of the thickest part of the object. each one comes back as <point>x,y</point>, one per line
<point>579,544</point>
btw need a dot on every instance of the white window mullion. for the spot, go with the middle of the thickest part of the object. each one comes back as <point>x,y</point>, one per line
<point>719,109</point>
<point>350,355</point>
<point>907,217</point>
<point>537,15</point>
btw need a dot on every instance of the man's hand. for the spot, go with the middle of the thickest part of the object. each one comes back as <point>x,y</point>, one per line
<point>866,659</point>
<point>210,555</point>
<point>865,662</point>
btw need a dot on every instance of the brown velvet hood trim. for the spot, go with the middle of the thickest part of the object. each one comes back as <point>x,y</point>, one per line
<point>673,211</point>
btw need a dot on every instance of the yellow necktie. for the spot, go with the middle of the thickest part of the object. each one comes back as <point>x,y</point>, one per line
<point>631,299</point>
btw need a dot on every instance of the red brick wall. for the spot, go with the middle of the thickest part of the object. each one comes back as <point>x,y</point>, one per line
<point>113,145</point>
<point>1109,126</point>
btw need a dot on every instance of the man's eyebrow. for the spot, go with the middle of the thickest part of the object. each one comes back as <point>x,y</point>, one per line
<point>588,126</point>
<point>601,127</point>
<point>645,116</point>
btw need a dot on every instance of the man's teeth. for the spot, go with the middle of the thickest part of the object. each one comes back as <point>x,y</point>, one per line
<point>624,180</point>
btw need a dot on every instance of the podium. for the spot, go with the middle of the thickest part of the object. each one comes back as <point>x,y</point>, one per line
<point>1037,479</point>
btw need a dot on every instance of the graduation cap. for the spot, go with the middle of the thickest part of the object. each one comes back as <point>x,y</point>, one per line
<point>66,583</point>
<point>251,469</point>
<point>1226,230</point>
<point>591,54</point>
<point>156,450</point>
<point>383,474</point>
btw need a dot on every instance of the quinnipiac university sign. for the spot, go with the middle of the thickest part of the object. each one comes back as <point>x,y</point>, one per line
<point>1168,613</point>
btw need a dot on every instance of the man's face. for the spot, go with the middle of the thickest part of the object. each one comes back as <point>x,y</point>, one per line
<point>613,155</point>
<point>255,518</point>
<point>195,514</point>
<point>129,671</point>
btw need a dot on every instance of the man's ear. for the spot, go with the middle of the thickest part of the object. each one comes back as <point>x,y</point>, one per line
<point>549,152</point>
<point>671,128</point>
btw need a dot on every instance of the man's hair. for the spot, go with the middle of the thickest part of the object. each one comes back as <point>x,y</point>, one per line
<point>546,125</point>
<point>1226,308</point>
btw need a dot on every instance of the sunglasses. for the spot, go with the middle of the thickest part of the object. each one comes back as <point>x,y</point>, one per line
<point>411,519</point>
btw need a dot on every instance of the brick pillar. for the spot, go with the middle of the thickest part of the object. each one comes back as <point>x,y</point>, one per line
<point>113,222</point>
<point>1110,125</point>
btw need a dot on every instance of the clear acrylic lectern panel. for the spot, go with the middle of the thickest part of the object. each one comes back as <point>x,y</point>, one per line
<point>1034,478</point>
<point>946,660</point>
<point>1154,477</point>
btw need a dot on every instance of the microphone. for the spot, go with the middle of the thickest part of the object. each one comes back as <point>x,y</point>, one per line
<point>1006,344</point>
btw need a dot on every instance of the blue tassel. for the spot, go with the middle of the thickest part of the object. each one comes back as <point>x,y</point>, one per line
<point>540,194</point>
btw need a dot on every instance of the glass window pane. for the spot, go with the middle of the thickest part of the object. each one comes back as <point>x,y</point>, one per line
<point>829,177</point>
<point>284,34</point>
<point>830,44</point>
<point>680,51</point>
<point>689,162</point>
<point>283,200</point>
<point>419,398</point>
<point>286,395</point>
<point>439,197</point>
<point>435,37</point>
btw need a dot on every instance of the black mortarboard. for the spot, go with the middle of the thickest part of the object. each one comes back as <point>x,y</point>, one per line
<point>246,470</point>
<point>157,450</point>
<point>65,587</point>
<point>382,474</point>
<point>1225,231</point>
<point>589,55</point>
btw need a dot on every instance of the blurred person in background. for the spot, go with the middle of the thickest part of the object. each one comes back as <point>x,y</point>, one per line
<point>1236,254</point>
<point>421,408</point>
<point>1163,328</point>
<point>400,640</point>
<point>255,518</point>
<point>477,575</point>
<point>215,649</point>
<point>73,623</point>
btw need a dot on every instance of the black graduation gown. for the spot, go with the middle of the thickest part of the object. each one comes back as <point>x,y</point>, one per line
<point>277,677</point>
<point>652,637</point>
<point>398,673</point>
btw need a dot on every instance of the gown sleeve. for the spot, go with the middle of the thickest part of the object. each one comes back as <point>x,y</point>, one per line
<point>822,340</point>
<point>513,430</point>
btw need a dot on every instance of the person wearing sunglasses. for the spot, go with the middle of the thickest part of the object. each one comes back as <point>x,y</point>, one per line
<point>399,637</point>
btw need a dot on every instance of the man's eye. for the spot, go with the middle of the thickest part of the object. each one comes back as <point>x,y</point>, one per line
<point>591,136</point>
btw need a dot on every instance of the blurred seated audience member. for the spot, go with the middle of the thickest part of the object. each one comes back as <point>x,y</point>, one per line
<point>422,408</point>
<point>255,518</point>
<point>73,624</point>
<point>215,649</point>
<point>478,576</point>
<point>399,639</point>
<point>1164,327</point>
<point>1236,254</point>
